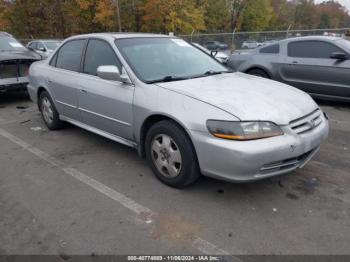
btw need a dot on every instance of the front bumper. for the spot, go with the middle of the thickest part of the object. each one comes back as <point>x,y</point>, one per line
<point>13,84</point>
<point>244,161</point>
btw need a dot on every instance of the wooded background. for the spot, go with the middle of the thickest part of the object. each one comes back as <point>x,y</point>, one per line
<point>62,18</point>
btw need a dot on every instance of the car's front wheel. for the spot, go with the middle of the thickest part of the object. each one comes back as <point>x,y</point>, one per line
<point>49,112</point>
<point>171,155</point>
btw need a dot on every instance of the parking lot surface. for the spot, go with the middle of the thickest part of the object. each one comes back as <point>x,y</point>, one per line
<point>73,192</point>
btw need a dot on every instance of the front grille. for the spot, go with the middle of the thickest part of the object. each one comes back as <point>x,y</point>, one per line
<point>306,123</point>
<point>285,164</point>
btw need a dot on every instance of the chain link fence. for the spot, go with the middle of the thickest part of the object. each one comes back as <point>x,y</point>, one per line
<point>236,40</point>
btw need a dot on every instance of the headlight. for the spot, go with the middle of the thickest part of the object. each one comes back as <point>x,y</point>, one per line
<point>243,130</point>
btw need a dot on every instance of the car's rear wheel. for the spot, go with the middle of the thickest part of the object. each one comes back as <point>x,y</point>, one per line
<point>171,155</point>
<point>49,112</point>
<point>258,72</point>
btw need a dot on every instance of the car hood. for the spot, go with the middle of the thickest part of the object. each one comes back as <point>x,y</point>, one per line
<point>248,97</point>
<point>14,55</point>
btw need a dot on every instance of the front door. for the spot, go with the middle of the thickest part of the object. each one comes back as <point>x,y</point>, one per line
<point>104,104</point>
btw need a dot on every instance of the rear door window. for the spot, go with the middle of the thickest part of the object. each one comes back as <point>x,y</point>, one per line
<point>70,54</point>
<point>53,60</point>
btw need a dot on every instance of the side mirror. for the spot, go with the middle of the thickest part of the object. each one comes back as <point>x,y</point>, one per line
<point>213,53</point>
<point>42,49</point>
<point>112,73</point>
<point>339,56</point>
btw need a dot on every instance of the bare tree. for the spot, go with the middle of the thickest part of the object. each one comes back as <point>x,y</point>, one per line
<point>236,8</point>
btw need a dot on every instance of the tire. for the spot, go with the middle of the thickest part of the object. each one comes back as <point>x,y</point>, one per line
<point>165,142</point>
<point>258,72</point>
<point>49,112</point>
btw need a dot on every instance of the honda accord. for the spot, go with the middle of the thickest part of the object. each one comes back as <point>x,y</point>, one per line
<point>178,106</point>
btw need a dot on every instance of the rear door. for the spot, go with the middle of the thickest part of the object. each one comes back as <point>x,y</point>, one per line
<point>63,77</point>
<point>308,66</point>
<point>105,104</point>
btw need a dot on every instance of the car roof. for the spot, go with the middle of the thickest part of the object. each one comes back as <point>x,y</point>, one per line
<point>5,34</point>
<point>303,38</point>
<point>120,35</point>
<point>45,40</point>
<point>49,40</point>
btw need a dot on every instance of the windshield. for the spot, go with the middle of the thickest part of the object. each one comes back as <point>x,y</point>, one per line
<point>10,44</point>
<point>52,45</point>
<point>345,43</point>
<point>202,48</point>
<point>167,59</point>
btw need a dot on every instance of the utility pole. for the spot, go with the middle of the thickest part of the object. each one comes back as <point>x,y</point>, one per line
<point>116,2</point>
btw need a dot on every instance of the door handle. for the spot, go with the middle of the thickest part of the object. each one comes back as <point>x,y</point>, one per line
<point>83,91</point>
<point>294,63</point>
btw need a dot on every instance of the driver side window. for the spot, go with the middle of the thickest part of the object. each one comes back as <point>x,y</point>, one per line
<point>99,53</point>
<point>312,49</point>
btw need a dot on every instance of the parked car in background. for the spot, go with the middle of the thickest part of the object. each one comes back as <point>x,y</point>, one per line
<point>269,42</point>
<point>15,60</point>
<point>219,55</point>
<point>216,45</point>
<point>250,44</point>
<point>318,65</point>
<point>44,47</point>
<point>179,107</point>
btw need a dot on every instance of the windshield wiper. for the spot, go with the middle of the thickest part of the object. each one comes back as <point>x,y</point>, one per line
<point>178,78</point>
<point>212,72</point>
<point>167,79</point>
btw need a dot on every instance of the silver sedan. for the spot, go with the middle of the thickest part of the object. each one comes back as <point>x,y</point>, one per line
<point>179,107</point>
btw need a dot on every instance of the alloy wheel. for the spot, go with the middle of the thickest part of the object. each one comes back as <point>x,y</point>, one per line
<point>47,111</point>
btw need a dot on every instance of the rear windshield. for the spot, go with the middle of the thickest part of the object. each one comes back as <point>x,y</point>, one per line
<point>10,44</point>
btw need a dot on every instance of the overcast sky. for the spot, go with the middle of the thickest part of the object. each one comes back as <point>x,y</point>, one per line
<point>343,2</point>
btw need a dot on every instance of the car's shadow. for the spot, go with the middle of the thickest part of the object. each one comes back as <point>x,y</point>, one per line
<point>11,98</point>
